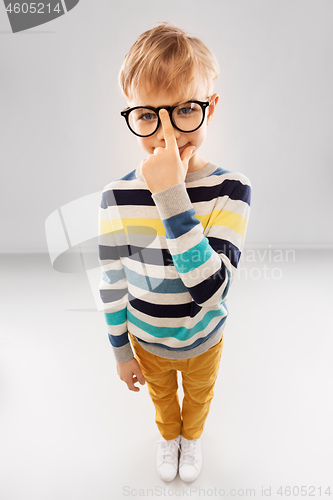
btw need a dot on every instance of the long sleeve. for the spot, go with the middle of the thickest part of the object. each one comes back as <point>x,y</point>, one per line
<point>206,263</point>
<point>113,287</point>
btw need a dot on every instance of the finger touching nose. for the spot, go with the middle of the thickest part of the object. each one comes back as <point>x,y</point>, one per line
<point>160,133</point>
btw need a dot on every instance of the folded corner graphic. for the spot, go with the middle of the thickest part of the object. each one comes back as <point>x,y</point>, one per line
<point>72,235</point>
<point>23,15</point>
<point>70,4</point>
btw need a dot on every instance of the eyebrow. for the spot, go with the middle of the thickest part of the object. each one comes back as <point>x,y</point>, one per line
<point>149,106</point>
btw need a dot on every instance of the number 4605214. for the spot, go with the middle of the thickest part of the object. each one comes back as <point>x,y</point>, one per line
<point>33,8</point>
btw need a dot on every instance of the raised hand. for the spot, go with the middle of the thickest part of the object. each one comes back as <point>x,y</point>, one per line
<point>165,167</point>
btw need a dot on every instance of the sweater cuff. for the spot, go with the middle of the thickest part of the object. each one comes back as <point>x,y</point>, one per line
<point>172,201</point>
<point>123,353</point>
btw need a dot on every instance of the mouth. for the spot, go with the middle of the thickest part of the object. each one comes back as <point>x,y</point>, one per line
<point>183,147</point>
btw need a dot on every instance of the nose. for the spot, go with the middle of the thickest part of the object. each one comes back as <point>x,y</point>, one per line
<point>160,135</point>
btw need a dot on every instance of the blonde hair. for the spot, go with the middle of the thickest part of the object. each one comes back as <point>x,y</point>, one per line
<point>167,57</point>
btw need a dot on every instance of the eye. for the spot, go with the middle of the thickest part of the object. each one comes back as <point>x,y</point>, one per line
<point>147,117</point>
<point>185,110</point>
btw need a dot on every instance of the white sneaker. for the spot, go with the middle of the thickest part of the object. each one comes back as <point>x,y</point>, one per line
<point>167,458</point>
<point>190,462</point>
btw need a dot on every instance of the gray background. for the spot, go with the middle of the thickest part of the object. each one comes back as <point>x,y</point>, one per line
<point>70,428</point>
<point>63,136</point>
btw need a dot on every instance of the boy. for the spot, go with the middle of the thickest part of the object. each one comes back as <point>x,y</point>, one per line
<point>170,238</point>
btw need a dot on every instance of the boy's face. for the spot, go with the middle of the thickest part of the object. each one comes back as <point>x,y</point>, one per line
<point>196,138</point>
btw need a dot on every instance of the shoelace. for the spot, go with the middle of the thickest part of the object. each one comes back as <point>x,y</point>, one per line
<point>188,452</point>
<point>168,450</point>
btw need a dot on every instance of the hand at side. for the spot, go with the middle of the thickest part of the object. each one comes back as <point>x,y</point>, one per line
<point>126,372</point>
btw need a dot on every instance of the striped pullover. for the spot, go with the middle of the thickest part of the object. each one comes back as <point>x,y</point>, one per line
<point>167,260</point>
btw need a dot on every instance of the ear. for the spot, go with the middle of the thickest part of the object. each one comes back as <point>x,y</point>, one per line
<point>211,108</point>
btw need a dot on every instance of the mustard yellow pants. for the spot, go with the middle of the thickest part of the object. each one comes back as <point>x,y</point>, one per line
<point>198,377</point>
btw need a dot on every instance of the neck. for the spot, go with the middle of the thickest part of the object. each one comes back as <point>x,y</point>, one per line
<point>196,163</point>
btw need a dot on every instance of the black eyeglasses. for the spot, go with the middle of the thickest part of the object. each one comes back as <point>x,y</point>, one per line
<point>186,117</point>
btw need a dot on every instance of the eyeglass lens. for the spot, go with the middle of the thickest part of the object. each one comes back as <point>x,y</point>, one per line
<point>186,116</point>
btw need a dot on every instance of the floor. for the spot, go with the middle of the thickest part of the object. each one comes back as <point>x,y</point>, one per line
<point>71,430</point>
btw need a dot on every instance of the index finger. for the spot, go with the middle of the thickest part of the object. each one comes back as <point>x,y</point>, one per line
<point>168,132</point>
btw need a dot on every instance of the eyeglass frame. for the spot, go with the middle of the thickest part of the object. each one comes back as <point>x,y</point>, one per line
<point>202,104</point>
